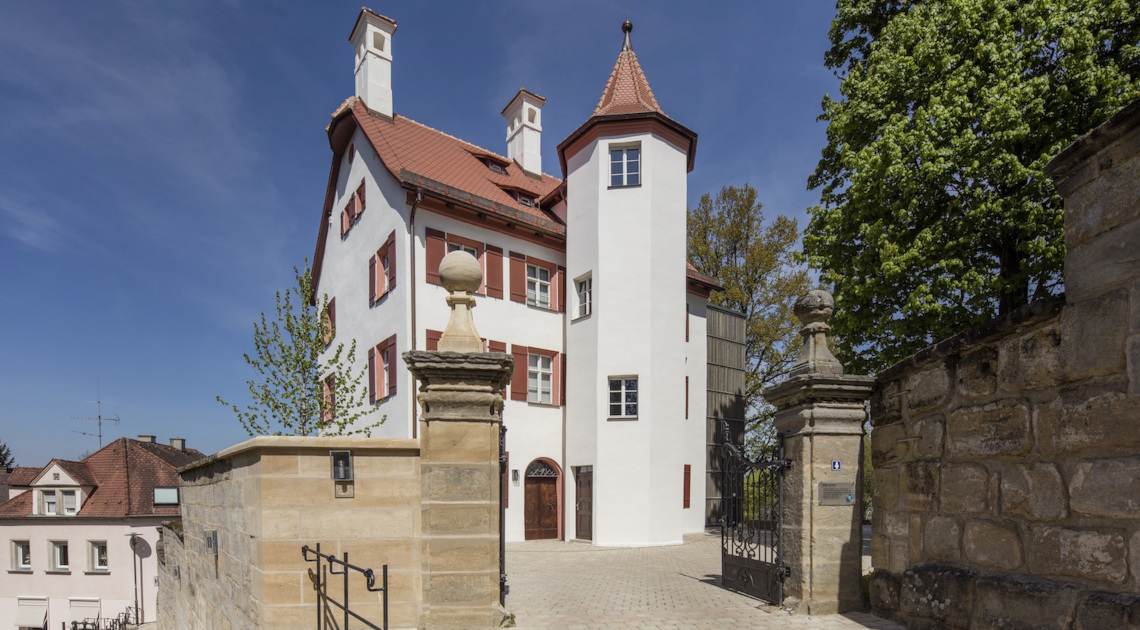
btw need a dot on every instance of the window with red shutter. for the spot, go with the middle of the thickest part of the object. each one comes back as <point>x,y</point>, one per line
<point>688,473</point>
<point>390,363</point>
<point>330,399</point>
<point>436,248</point>
<point>518,277</point>
<point>521,355</point>
<point>371,375</point>
<point>372,281</point>
<point>494,275</point>
<point>560,290</point>
<point>390,254</point>
<point>432,340</point>
<point>330,321</point>
<point>360,197</point>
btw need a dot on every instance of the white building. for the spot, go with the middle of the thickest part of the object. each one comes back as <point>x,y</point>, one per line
<point>585,283</point>
<point>79,537</point>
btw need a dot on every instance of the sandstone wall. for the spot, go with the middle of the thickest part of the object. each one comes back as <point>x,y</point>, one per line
<point>266,498</point>
<point>1007,459</point>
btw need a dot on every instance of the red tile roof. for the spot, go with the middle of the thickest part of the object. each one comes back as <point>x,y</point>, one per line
<point>124,473</point>
<point>627,91</point>
<point>22,476</point>
<point>414,152</point>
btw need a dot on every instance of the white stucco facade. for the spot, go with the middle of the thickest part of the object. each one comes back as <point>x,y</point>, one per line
<point>81,587</point>
<point>648,471</point>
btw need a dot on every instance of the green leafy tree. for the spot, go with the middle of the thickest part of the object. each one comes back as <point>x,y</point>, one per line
<point>935,213</point>
<point>729,240</point>
<point>303,385</point>
<point>6,459</point>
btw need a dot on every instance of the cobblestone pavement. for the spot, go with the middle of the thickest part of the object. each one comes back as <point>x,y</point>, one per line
<point>575,586</point>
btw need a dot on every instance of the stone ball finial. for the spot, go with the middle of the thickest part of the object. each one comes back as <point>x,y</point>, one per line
<point>815,306</point>
<point>626,26</point>
<point>460,271</point>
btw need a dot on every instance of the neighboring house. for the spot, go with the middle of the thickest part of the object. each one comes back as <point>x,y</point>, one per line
<point>585,283</point>
<point>78,537</point>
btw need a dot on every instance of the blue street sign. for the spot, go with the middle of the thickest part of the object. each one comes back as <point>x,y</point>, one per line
<point>836,464</point>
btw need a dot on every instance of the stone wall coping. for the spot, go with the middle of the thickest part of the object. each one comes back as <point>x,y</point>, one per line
<point>998,327</point>
<point>317,443</point>
<point>1088,145</point>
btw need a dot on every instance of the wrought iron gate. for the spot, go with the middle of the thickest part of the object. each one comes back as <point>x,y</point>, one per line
<point>750,522</point>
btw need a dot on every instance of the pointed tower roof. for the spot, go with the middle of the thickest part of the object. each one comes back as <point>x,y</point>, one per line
<point>628,106</point>
<point>627,90</point>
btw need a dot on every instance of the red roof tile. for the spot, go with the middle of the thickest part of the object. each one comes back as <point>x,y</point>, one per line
<point>413,152</point>
<point>124,473</point>
<point>627,90</point>
<point>22,476</point>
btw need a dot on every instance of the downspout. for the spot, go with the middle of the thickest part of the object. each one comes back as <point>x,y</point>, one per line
<point>412,284</point>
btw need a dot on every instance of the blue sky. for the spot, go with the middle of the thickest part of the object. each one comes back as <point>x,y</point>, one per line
<point>163,166</point>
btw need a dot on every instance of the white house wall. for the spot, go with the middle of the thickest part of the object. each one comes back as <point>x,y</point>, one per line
<point>114,588</point>
<point>695,442</point>
<point>533,430</point>
<point>344,276</point>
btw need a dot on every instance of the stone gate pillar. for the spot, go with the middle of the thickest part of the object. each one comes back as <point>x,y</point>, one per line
<point>461,399</point>
<point>820,413</point>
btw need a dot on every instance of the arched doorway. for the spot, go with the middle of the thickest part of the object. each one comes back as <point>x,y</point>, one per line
<point>542,506</point>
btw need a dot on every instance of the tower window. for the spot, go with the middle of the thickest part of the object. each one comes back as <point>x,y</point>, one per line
<point>378,41</point>
<point>585,288</point>
<point>623,397</point>
<point>625,166</point>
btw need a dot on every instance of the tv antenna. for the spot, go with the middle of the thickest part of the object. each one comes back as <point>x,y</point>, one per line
<point>99,416</point>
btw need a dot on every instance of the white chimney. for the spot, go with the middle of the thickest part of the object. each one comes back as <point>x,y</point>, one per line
<point>524,130</point>
<point>178,443</point>
<point>372,39</point>
<point>149,439</point>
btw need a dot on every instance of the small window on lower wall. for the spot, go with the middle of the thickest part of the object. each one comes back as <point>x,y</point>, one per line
<point>59,558</point>
<point>21,555</point>
<point>623,397</point>
<point>98,550</point>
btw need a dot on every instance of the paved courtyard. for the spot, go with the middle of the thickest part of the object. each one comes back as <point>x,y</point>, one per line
<point>575,586</point>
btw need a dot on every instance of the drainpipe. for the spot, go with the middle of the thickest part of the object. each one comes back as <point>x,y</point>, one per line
<point>135,570</point>
<point>412,284</point>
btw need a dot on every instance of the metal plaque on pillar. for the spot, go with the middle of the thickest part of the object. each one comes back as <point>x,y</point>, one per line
<point>836,493</point>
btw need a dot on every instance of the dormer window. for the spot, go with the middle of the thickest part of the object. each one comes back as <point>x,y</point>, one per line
<point>525,200</point>
<point>495,167</point>
<point>69,505</point>
<point>49,502</point>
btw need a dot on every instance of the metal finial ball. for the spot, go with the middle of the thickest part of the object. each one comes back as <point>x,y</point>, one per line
<point>814,306</point>
<point>626,26</point>
<point>460,271</point>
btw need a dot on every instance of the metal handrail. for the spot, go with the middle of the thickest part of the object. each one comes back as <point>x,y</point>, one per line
<point>369,576</point>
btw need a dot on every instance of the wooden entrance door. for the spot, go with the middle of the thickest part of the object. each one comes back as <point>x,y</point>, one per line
<point>584,481</point>
<point>540,508</point>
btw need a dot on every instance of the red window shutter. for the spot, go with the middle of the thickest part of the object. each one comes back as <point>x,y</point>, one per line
<point>560,290</point>
<point>556,380</point>
<point>688,473</point>
<point>435,251</point>
<point>433,340</point>
<point>518,277</point>
<point>392,260</point>
<point>360,197</point>
<point>497,346</point>
<point>562,399</point>
<point>372,280</point>
<point>344,223</point>
<point>330,322</point>
<point>392,360</point>
<point>371,375</point>
<point>518,378</point>
<point>494,279</point>
<point>686,397</point>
